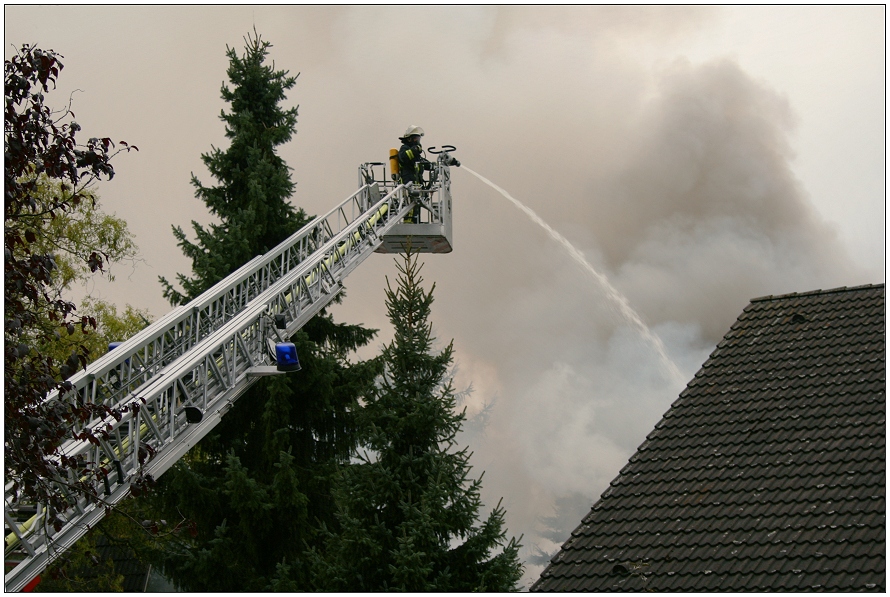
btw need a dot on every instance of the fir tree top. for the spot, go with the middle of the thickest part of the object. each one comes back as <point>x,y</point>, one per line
<point>254,186</point>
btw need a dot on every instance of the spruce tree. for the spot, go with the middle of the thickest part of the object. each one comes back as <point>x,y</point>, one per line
<point>408,513</point>
<point>256,489</point>
<point>254,183</point>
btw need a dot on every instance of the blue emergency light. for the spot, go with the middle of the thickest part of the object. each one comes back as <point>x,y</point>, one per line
<point>286,357</point>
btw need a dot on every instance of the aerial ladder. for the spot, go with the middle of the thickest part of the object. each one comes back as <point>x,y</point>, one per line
<point>179,376</point>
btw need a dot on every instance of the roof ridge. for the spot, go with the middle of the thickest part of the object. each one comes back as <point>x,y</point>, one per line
<point>771,297</point>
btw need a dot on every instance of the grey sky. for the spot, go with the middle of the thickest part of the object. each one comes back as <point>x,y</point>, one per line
<point>698,156</point>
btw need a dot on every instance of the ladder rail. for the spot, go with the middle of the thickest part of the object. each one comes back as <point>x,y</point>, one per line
<point>133,363</point>
<point>210,376</point>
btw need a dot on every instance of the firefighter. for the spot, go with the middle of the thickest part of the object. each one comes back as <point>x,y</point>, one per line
<point>411,165</point>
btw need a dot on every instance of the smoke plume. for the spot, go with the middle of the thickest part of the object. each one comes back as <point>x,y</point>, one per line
<point>672,175</point>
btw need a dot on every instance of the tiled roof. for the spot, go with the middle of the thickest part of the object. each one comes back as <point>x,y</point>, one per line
<point>134,572</point>
<point>766,474</point>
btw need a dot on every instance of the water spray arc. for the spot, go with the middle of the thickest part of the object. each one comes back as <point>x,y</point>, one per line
<point>618,301</point>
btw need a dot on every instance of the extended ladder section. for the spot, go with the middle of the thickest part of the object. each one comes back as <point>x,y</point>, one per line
<point>180,375</point>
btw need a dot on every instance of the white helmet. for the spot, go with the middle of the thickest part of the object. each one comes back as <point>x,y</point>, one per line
<point>413,130</point>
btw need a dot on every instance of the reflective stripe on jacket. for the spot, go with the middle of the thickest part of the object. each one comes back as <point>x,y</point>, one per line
<point>409,160</point>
